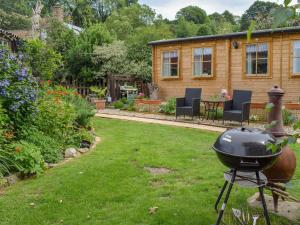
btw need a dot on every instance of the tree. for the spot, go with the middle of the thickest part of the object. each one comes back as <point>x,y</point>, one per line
<point>79,57</point>
<point>205,29</point>
<point>13,21</point>
<point>229,17</point>
<point>21,7</point>
<point>111,59</point>
<point>82,14</point>
<point>184,28</point>
<point>60,38</point>
<point>261,13</point>
<point>192,14</point>
<point>43,60</point>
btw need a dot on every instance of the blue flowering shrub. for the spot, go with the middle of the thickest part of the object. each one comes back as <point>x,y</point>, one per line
<point>38,120</point>
<point>18,91</point>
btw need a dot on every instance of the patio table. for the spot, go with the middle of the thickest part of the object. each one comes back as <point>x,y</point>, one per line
<point>211,106</point>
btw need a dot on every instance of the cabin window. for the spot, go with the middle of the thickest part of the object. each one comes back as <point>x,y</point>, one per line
<point>202,62</point>
<point>296,58</point>
<point>170,64</point>
<point>257,59</point>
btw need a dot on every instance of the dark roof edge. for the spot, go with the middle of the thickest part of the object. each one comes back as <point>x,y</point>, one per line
<point>227,36</point>
<point>10,35</point>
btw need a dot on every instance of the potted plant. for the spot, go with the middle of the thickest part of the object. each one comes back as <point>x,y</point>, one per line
<point>100,93</point>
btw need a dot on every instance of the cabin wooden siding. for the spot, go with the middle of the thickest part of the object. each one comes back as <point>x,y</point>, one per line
<point>229,69</point>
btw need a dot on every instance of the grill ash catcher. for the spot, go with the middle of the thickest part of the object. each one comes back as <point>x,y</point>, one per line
<point>245,151</point>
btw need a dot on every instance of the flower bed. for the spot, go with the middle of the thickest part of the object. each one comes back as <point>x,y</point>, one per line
<point>38,121</point>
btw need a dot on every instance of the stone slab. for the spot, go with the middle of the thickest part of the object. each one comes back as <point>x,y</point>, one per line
<point>287,209</point>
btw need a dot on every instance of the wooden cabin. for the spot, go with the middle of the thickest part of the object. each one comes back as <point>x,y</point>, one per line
<point>229,61</point>
<point>9,40</point>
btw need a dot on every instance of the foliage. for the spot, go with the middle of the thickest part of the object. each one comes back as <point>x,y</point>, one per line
<point>56,117</point>
<point>84,110</point>
<point>286,15</point>
<point>18,90</point>
<point>13,21</point>
<point>288,117</point>
<point>42,59</point>
<point>29,158</point>
<point>21,7</point>
<point>124,104</point>
<point>261,13</point>
<point>50,148</point>
<point>118,104</point>
<point>84,135</point>
<point>7,163</point>
<point>111,59</point>
<point>192,14</point>
<point>60,38</point>
<point>185,28</point>
<point>79,57</point>
<point>169,107</point>
<point>100,92</point>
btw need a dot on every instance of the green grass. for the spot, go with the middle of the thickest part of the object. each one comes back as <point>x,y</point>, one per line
<point>110,185</point>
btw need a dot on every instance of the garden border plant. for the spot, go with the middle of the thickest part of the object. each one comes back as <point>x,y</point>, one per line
<point>38,121</point>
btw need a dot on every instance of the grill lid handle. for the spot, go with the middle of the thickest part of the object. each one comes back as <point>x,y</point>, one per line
<point>247,163</point>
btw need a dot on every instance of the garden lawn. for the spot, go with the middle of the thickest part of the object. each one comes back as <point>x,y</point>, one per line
<point>111,186</point>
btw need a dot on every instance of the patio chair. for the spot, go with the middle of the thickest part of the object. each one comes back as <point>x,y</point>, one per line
<point>238,109</point>
<point>190,104</point>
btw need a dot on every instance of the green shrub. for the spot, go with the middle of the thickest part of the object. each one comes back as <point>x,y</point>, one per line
<point>84,135</point>
<point>118,104</point>
<point>130,106</point>
<point>84,110</point>
<point>288,118</point>
<point>169,107</point>
<point>51,149</point>
<point>29,158</point>
<point>7,163</point>
<point>56,119</point>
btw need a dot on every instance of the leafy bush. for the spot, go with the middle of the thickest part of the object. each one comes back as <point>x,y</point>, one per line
<point>124,104</point>
<point>51,149</point>
<point>169,107</point>
<point>43,60</point>
<point>84,135</point>
<point>84,110</point>
<point>29,158</point>
<point>288,118</point>
<point>118,104</point>
<point>7,163</point>
<point>56,118</point>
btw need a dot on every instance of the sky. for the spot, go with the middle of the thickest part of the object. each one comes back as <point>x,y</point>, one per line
<point>168,8</point>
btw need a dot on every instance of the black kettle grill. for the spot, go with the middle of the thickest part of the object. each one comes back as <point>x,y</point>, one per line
<point>246,150</point>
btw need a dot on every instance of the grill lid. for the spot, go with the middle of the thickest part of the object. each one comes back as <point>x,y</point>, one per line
<point>245,142</point>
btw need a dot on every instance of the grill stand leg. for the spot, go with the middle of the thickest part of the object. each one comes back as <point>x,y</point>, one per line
<point>261,192</point>
<point>220,195</point>
<point>226,198</point>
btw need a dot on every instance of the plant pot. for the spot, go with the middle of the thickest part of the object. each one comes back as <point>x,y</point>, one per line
<point>100,104</point>
<point>93,99</point>
<point>284,168</point>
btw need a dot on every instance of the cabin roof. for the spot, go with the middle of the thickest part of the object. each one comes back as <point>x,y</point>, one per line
<point>8,35</point>
<point>285,30</point>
